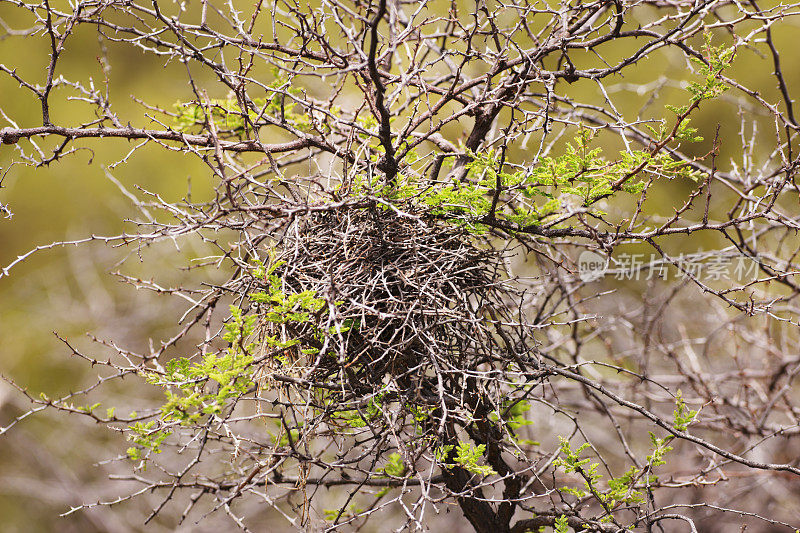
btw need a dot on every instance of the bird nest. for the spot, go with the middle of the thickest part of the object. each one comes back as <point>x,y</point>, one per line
<point>370,296</point>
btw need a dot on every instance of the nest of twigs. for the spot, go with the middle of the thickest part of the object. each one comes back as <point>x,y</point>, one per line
<point>407,300</point>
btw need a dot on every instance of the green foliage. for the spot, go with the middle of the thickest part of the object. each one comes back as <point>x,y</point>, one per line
<point>359,418</point>
<point>420,413</point>
<point>335,514</point>
<point>519,195</point>
<point>660,449</point>
<point>287,436</point>
<point>240,327</point>
<point>134,454</point>
<point>717,59</point>
<point>280,306</point>
<point>198,389</point>
<point>682,416</point>
<point>620,490</point>
<point>536,194</point>
<point>466,455</point>
<point>187,406</point>
<point>513,413</point>
<point>283,307</point>
<point>394,466</point>
<point>84,408</point>
<point>686,133</point>
<point>146,436</point>
<point>532,195</point>
<point>580,172</point>
<point>227,115</point>
<point>561,525</point>
<point>571,462</point>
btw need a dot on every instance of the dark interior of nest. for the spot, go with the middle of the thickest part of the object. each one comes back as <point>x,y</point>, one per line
<point>407,299</point>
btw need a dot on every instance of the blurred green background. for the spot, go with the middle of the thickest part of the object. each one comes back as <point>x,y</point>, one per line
<point>70,290</point>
